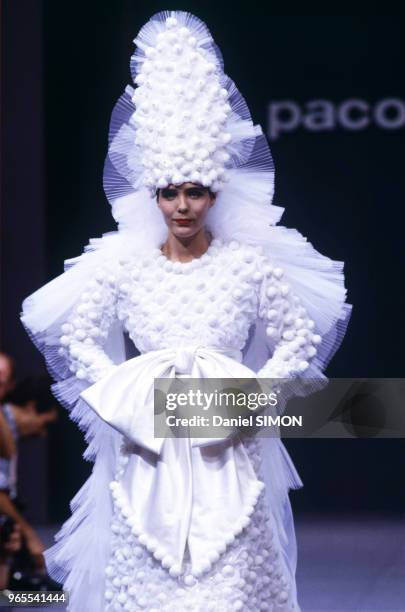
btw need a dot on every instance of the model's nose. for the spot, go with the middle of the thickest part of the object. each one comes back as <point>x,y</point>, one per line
<point>183,205</point>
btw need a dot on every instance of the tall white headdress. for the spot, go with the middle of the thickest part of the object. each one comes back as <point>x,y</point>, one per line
<point>185,120</point>
<point>182,112</point>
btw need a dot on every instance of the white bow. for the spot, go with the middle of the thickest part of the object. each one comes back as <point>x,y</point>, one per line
<point>174,492</point>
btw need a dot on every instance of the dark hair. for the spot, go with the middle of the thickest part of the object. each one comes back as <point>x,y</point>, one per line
<point>34,388</point>
<point>212,194</point>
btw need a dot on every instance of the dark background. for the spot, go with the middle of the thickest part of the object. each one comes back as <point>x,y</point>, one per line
<point>64,66</point>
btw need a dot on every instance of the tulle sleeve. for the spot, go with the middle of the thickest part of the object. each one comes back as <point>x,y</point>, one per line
<point>302,316</point>
<point>72,321</point>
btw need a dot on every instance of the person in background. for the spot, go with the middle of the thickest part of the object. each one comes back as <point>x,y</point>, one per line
<point>10,544</point>
<point>7,444</point>
<point>26,409</point>
<point>8,432</point>
<point>7,375</point>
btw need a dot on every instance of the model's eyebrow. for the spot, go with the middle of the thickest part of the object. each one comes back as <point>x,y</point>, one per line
<point>172,190</point>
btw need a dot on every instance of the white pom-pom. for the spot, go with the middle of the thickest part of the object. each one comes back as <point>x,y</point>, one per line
<point>87,360</point>
<point>195,177</point>
<point>272,314</point>
<point>189,580</point>
<point>162,183</point>
<point>295,346</point>
<point>75,352</point>
<point>224,156</point>
<point>150,52</point>
<point>108,595</point>
<point>175,571</point>
<point>167,561</point>
<point>288,335</point>
<point>311,351</point>
<point>271,292</point>
<point>303,365</point>
<point>186,169</point>
<point>271,331</point>
<point>203,154</point>
<point>159,554</point>
<point>139,79</point>
<point>179,179</point>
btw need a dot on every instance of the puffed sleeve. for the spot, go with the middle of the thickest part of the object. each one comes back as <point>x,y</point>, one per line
<point>291,334</point>
<point>84,334</point>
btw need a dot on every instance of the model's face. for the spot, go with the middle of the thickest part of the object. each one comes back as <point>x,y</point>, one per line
<point>6,377</point>
<point>185,207</point>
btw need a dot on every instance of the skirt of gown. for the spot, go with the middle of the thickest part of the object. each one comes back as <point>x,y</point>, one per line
<point>250,575</point>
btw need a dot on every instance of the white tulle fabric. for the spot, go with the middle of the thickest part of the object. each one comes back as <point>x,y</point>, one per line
<point>278,284</point>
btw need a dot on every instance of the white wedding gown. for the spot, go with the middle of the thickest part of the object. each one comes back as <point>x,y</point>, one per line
<point>178,524</point>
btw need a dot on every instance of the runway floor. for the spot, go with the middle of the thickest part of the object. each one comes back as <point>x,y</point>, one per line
<point>351,566</point>
<point>344,565</point>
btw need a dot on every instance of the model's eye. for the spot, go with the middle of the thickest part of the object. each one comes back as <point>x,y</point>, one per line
<point>195,193</point>
<point>169,194</point>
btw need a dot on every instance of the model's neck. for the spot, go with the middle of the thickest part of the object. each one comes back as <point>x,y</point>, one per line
<point>186,249</point>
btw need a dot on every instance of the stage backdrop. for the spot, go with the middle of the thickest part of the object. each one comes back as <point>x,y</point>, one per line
<point>329,93</point>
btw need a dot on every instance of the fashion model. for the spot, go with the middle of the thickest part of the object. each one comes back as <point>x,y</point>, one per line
<point>206,284</point>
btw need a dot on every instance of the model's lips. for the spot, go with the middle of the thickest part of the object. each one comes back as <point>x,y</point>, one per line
<point>183,221</point>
